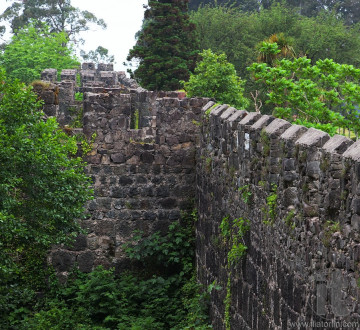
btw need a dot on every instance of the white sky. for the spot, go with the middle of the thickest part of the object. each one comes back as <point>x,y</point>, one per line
<point>123,19</point>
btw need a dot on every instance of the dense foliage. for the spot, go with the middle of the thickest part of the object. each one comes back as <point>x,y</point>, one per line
<point>43,190</point>
<point>324,95</point>
<point>245,5</point>
<point>161,292</point>
<point>349,10</point>
<point>59,15</point>
<point>99,55</point>
<point>320,37</point>
<point>33,49</point>
<point>165,46</point>
<point>215,77</point>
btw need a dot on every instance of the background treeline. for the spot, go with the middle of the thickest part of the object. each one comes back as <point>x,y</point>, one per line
<point>236,33</point>
<point>349,10</point>
<point>239,34</point>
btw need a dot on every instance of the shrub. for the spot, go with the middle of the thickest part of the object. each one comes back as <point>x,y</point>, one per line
<point>215,77</point>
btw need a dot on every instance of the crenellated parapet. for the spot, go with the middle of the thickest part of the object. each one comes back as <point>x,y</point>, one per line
<point>299,190</point>
<point>296,187</point>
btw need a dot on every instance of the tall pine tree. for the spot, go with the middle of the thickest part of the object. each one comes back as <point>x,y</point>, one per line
<point>165,47</point>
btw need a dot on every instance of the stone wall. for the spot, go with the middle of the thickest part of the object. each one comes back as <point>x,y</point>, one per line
<point>143,176</point>
<point>299,189</point>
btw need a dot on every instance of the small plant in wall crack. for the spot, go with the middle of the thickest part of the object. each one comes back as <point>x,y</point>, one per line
<point>208,164</point>
<point>330,228</point>
<point>232,233</point>
<point>269,210</point>
<point>265,140</point>
<point>227,303</point>
<point>289,219</point>
<point>245,193</point>
<point>86,145</point>
<point>240,227</point>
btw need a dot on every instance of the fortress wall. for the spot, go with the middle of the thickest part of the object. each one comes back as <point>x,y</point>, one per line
<point>143,177</point>
<point>299,190</point>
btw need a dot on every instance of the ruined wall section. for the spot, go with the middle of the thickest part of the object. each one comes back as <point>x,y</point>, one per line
<point>143,178</point>
<point>300,191</point>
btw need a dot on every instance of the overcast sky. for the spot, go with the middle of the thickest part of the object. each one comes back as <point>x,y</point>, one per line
<point>123,19</point>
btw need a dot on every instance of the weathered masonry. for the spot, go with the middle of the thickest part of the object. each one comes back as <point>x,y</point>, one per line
<point>297,188</point>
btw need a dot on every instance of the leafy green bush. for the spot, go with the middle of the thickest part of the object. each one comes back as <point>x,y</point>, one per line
<point>164,295</point>
<point>215,77</point>
<point>35,48</point>
<point>324,95</point>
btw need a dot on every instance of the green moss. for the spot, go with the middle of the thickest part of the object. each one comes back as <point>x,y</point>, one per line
<point>330,227</point>
<point>265,140</point>
<point>128,205</point>
<point>269,210</point>
<point>324,164</point>
<point>289,219</point>
<point>302,156</point>
<point>208,164</point>
<point>245,193</point>
<point>135,118</point>
<point>227,303</point>
<point>208,111</point>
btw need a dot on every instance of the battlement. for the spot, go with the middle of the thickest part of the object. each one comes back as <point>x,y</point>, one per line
<point>298,188</point>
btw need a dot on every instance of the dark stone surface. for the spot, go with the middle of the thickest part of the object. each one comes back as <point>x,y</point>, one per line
<point>62,260</point>
<point>143,179</point>
<point>85,261</point>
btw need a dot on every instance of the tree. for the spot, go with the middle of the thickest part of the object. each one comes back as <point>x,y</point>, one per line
<point>215,77</point>
<point>59,15</point>
<point>34,49</point>
<point>277,46</point>
<point>43,187</point>
<point>324,95</point>
<point>324,36</point>
<point>165,48</point>
<point>245,5</point>
<point>99,55</point>
<point>237,38</point>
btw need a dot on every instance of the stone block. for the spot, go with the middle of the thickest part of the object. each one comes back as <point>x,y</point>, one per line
<point>85,261</point>
<point>332,200</point>
<point>289,164</point>
<point>250,119</point>
<point>277,127</point>
<point>353,152</point>
<point>355,205</point>
<point>235,118</point>
<point>88,66</point>
<point>207,106</point>
<point>49,75</point>
<point>168,203</point>
<point>147,158</point>
<point>227,113</point>
<point>62,260</point>
<point>79,244</point>
<point>313,169</point>
<point>262,122</point>
<point>217,111</point>
<point>67,74</point>
<point>290,197</point>
<point>313,137</point>
<point>118,158</point>
<point>337,144</point>
<point>105,67</point>
<point>293,133</point>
